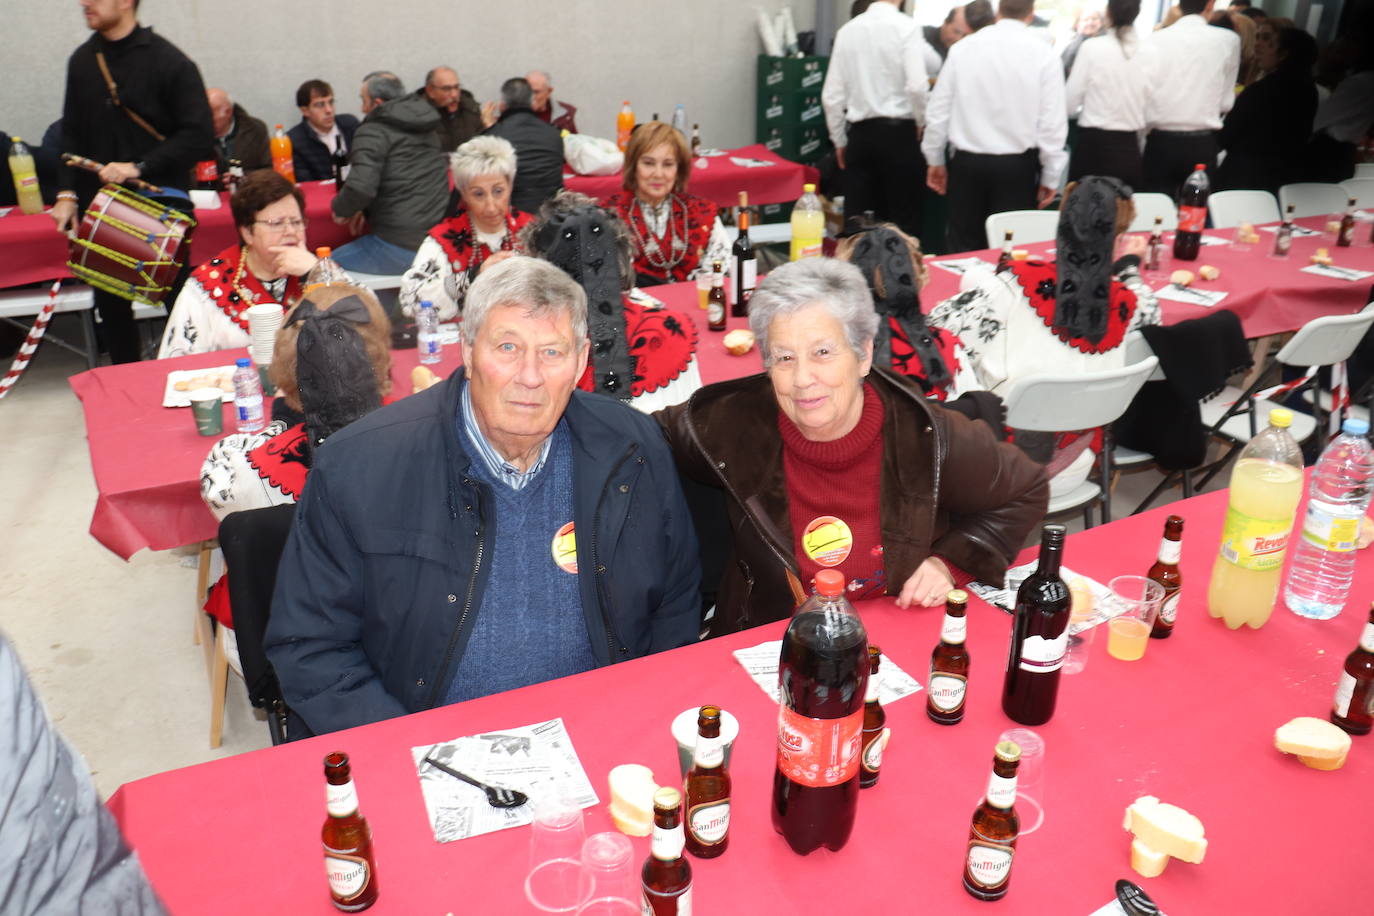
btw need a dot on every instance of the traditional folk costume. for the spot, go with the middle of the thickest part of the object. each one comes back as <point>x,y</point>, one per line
<point>212,311</point>
<point>448,261</point>
<point>670,237</point>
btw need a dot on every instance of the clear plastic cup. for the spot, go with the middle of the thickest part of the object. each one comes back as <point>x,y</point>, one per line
<point>610,906</point>
<point>557,831</point>
<point>1030,778</point>
<point>610,860</point>
<point>558,886</point>
<point>1135,603</point>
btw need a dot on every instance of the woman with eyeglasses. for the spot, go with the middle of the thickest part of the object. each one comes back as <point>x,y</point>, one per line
<point>211,313</point>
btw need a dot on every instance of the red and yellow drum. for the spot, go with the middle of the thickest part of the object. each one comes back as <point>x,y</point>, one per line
<point>129,245</point>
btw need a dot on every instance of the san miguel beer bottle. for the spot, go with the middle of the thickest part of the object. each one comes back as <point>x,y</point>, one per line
<point>822,679</point>
<point>875,732</point>
<point>715,303</point>
<point>708,790</point>
<point>1165,572</point>
<point>992,836</point>
<point>1039,637</point>
<point>666,876</point>
<point>347,839</point>
<point>1004,259</point>
<point>948,681</point>
<point>1354,707</point>
<point>1346,236</point>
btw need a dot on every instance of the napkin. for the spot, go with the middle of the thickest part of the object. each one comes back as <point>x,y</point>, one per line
<point>1339,273</point>
<point>960,266</point>
<point>1191,295</point>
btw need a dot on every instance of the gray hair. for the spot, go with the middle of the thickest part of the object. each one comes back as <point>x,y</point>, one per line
<point>383,86</point>
<point>516,93</point>
<point>544,73</point>
<point>836,285</point>
<point>561,205</point>
<point>539,287</point>
<point>429,77</point>
<point>482,156</point>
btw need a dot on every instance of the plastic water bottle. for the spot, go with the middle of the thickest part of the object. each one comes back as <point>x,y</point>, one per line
<point>427,333</point>
<point>247,396</point>
<point>680,119</point>
<point>1324,560</point>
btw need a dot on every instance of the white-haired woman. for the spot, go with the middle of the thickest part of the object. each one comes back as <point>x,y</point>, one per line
<point>453,253</point>
<point>827,461</point>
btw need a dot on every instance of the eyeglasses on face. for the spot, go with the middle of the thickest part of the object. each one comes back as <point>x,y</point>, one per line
<point>282,222</point>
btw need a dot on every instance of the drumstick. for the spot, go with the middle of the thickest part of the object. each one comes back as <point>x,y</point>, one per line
<point>90,165</point>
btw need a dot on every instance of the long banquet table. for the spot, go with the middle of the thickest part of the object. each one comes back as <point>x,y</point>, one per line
<point>149,496</point>
<point>1191,723</point>
<point>719,178</point>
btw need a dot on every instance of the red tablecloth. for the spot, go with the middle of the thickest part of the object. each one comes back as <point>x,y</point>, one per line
<point>717,178</point>
<point>1271,296</point>
<point>34,252</point>
<point>149,495</point>
<point>1192,723</point>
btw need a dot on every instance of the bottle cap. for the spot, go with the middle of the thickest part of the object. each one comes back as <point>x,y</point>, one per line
<point>1200,167</point>
<point>1354,427</point>
<point>1009,751</point>
<point>830,582</point>
<point>957,596</point>
<point>667,797</point>
<point>426,304</point>
<point>809,188</point>
<point>323,252</point>
<point>242,362</point>
<point>1281,417</point>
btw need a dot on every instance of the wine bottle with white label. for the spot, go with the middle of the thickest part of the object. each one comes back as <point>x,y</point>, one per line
<point>992,836</point>
<point>1354,706</point>
<point>948,681</point>
<point>708,790</point>
<point>1039,637</point>
<point>1165,572</point>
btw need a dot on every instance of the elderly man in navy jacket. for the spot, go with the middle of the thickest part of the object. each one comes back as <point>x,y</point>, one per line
<point>494,531</point>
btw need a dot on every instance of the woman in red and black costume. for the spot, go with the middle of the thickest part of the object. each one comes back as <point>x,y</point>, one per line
<point>485,231</point>
<point>267,266</point>
<point>676,235</point>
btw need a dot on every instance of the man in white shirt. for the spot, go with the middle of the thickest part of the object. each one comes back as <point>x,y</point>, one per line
<point>875,99</point>
<point>1190,69</point>
<point>997,112</point>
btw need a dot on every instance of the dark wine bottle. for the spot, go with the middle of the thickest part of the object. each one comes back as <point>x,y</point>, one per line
<point>1039,638</point>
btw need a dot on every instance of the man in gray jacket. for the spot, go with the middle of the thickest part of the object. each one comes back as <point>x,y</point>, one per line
<point>397,184</point>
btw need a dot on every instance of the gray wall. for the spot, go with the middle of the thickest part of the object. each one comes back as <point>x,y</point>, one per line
<point>654,52</point>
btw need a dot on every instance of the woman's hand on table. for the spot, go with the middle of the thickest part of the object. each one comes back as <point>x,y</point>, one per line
<point>928,586</point>
<point>292,260</point>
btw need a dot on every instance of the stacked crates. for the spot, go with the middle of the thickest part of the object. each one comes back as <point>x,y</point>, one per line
<point>791,120</point>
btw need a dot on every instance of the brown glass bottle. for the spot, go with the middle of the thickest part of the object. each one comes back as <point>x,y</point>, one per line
<point>1165,572</point>
<point>715,303</point>
<point>875,725</point>
<point>947,685</point>
<point>347,841</point>
<point>1039,637</point>
<point>1004,259</point>
<point>1354,706</point>
<point>708,790</point>
<point>1346,236</point>
<point>667,877</point>
<point>992,836</point>
<point>746,262</point>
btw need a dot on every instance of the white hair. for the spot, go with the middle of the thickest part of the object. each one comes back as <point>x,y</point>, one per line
<point>482,156</point>
<point>837,286</point>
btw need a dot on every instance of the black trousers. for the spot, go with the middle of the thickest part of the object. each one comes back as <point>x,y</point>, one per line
<point>885,172</point>
<point>1111,153</point>
<point>1170,158</point>
<point>981,185</point>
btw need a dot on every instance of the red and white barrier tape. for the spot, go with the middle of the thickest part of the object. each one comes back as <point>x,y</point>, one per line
<point>40,327</point>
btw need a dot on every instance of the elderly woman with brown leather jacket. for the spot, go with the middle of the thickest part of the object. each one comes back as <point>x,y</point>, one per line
<point>826,462</point>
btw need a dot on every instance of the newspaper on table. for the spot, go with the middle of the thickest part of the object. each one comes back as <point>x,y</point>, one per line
<point>746,162</point>
<point>1207,241</point>
<point>1299,232</point>
<point>1004,596</point>
<point>761,663</point>
<point>535,759</point>
<point>960,266</point>
<point>1206,298</point>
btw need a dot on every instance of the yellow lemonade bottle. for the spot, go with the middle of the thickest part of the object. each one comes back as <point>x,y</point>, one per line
<point>808,225</point>
<point>1266,486</point>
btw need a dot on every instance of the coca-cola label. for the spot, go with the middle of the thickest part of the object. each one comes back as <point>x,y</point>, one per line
<point>954,630</point>
<point>819,752</point>
<point>340,801</point>
<point>1170,551</point>
<point>1324,528</point>
<point>1254,543</point>
<point>1168,611</point>
<point>348,875</point>
<point>709,822</point>
<point>1345,691</point>
<point>989,864</point>
<point>1001,791</point>
<point>1041,656</point>
<point>667,843</point>
<point>683,901</point>
<point>1191,219</point>
<point>206,170</point>
<point>872,759</point>
<point>947,691</point>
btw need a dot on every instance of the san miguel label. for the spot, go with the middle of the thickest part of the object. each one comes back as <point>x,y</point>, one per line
<point>348,875</point>
<point>710,821</point>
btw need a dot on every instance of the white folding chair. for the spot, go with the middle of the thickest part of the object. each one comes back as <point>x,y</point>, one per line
<point>1364,170</point>
<point>1150,204</point>
<point>1025,226</point>
<point>1060,403</point>
<point>1231,208</point>
<point>1362,189</point>
<point>1312,198</point>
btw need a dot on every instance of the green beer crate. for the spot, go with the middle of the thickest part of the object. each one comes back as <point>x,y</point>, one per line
<point>788,109</point>
<point>799,143</point>
<point>791,74</point>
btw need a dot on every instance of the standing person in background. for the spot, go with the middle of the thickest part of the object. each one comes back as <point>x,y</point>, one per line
<point>541,85</point>
<point>460,117</point>
<point>538,147</point>
<point>1265,135</point>
<point>940,38</point>
<point>999,108</point>
<point>1088,25</point>
<point>321,133</point>
<point>875,100</point>
<point>1109,87</point>
<point>159,130</point>
<point>1343,119</point>
<point>1191,69</point>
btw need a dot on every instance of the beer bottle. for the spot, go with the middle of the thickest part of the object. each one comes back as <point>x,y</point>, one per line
<point>948,681</point>
<point>232,176</point>
<point>347,841</point>
<point>992,836</point>
<point>696,141</point>
<point>1165,572</point>
<point>667,877</point>
<point>715,303</point>
<point>1039,638</point>
<point>708,790</point>
<point>746,262</point>
<point>1354,707</point>
<point>1004,259</point>
<point>1283,238</point>
<point>875,733</point>
<point>339,163</point>
<point>1154,254</point>
<point>1346,237</point>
